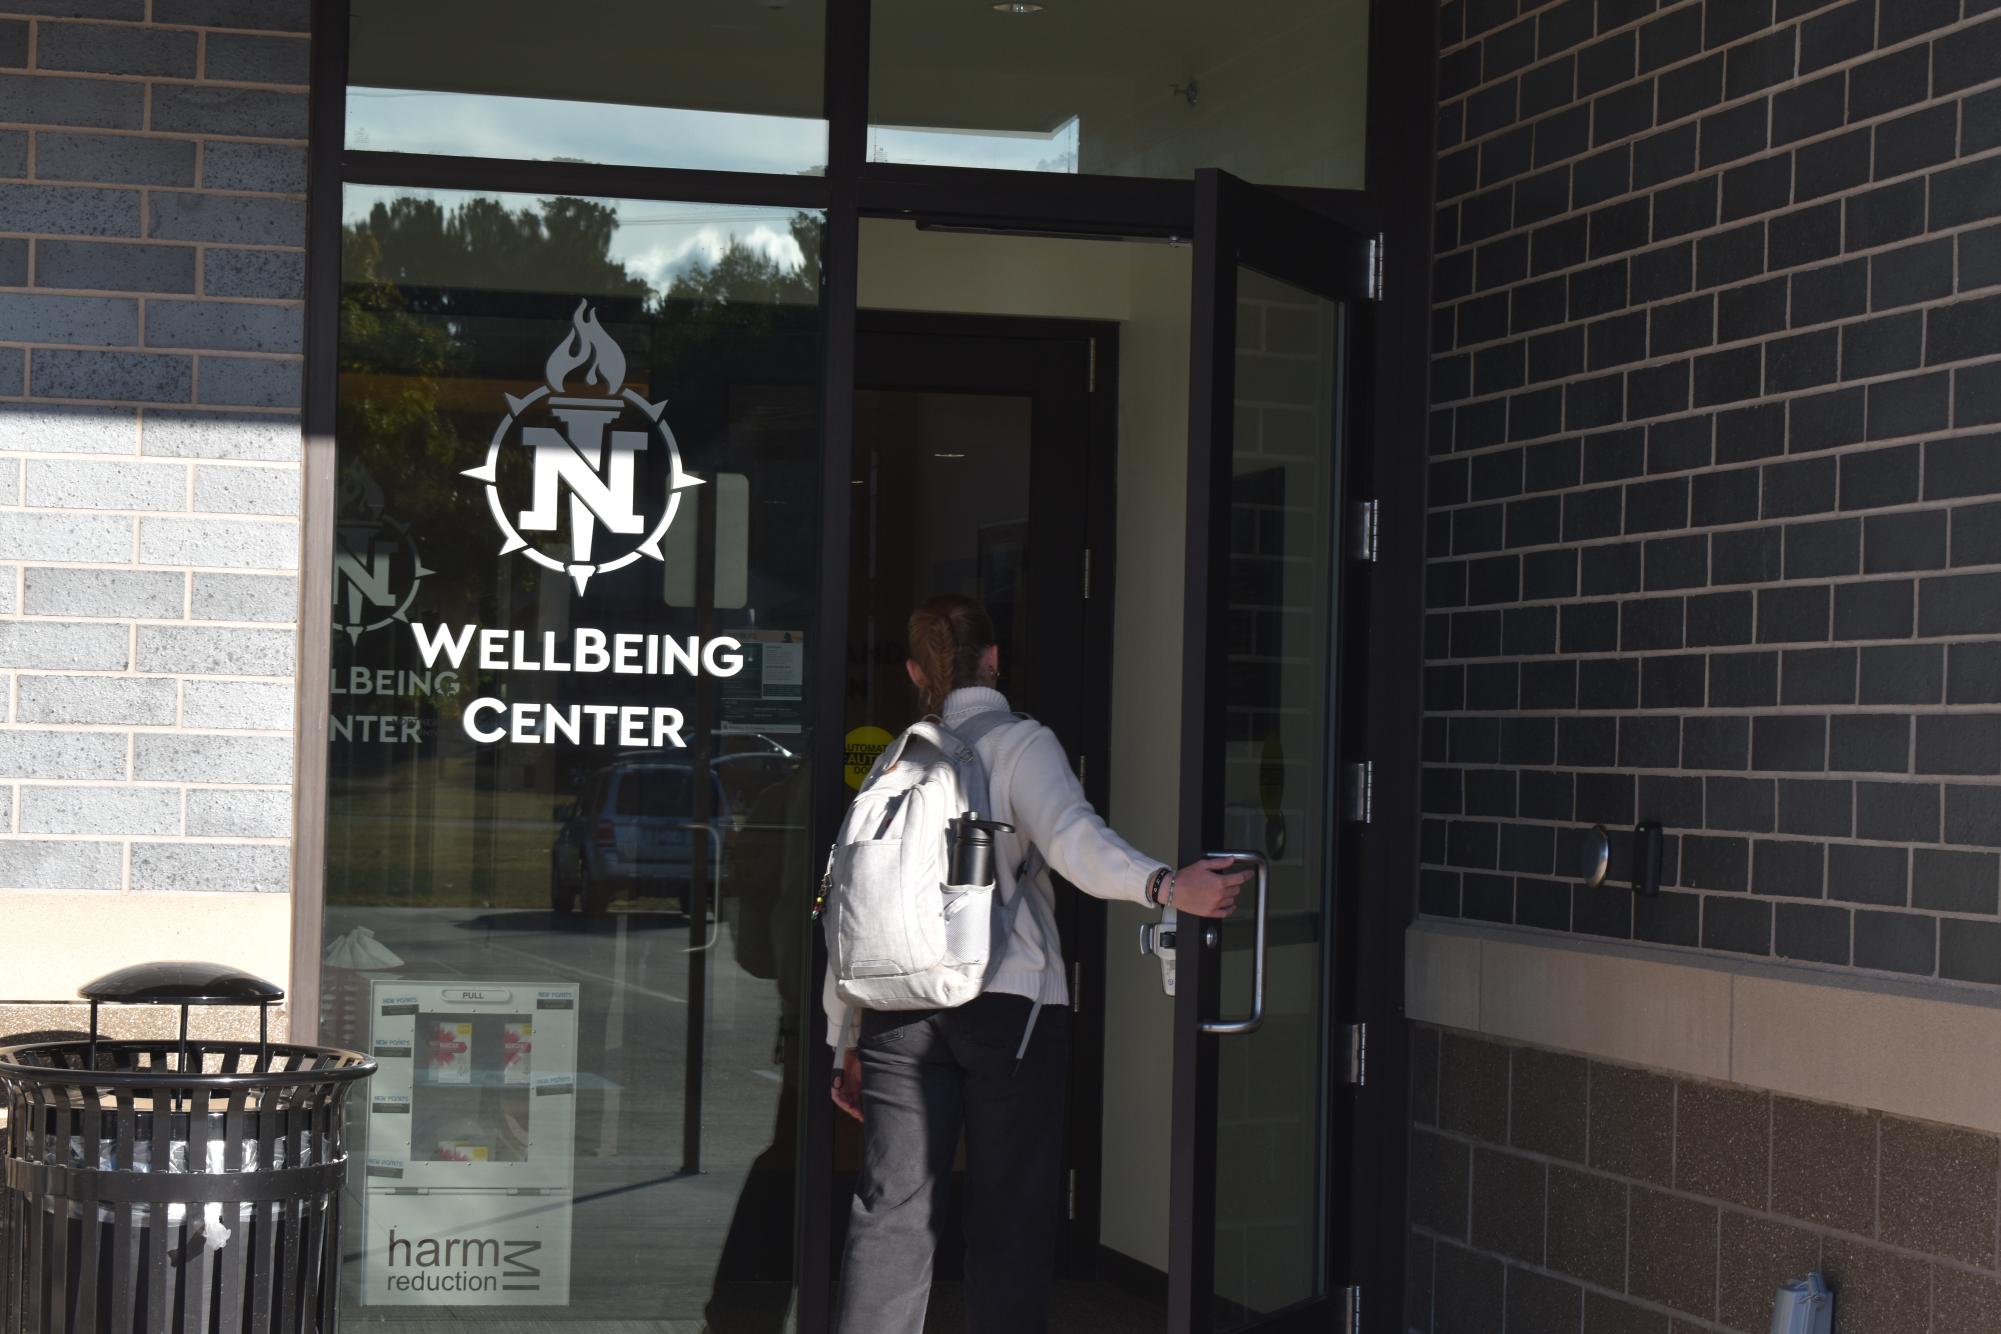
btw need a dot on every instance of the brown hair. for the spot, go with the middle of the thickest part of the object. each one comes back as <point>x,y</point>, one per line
<point>947,638</point>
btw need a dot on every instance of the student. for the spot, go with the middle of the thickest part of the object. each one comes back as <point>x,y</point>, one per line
<point>915,1078</point>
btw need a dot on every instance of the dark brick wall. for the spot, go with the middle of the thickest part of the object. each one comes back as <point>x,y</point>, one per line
<point>1554,1195</point>
<point>1715,490</point>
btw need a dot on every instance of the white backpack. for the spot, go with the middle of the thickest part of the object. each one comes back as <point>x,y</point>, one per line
<point>899,937</point>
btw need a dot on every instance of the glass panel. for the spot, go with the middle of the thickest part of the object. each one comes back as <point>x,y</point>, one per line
<point>567,885</point>
<point>1273,90</point>
<point>1281,602</point>
<point>719,84</point>
<point>941,490</point>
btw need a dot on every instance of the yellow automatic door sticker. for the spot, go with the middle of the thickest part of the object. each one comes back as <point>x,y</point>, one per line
<point>864,745</point>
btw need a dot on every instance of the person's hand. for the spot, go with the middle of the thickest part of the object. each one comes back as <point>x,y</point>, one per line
<point>848,1084</point>
<point>1209,888</point>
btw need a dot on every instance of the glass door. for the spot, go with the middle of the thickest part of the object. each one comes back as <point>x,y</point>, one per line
<point>1259,1167</point>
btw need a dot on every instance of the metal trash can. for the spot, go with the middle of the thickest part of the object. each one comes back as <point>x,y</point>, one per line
<point>172,1186</point>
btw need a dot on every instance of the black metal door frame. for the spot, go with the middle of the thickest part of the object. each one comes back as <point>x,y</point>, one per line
<point>1241,225</point>
<point>1400,135</point>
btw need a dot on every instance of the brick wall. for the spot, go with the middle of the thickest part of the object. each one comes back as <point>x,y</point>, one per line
<point>152,223</point>
<point>1713,537</point>
<point>1554,1195</point>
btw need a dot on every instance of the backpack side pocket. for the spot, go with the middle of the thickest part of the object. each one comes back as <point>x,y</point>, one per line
<point>969,920</point>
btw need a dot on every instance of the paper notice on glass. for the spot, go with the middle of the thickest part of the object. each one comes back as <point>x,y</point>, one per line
<point>451,1053</point>
<point>517,1046</point>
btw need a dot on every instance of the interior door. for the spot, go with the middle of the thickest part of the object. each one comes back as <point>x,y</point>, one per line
<point>1260,1164</point>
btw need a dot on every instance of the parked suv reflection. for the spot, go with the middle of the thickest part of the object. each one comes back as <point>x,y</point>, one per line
<point>632,834</point>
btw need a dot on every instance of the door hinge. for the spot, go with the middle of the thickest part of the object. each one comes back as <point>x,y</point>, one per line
<point>1071,1199</point>
<point>1376,267</point>
<point>1355,1055</point>
<point>1359,782</point>
<point>1091,370</point>
<point>1076,987</point>
<point>1087,574</point>
<point>1351,1310</point>
<point>1083,769</point>
<point>1362,522</point>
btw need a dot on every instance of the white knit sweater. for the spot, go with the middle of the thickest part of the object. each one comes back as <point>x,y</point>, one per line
<point>1032,787</point>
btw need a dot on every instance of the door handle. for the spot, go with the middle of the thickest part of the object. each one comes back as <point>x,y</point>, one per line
<point>1210,937</point>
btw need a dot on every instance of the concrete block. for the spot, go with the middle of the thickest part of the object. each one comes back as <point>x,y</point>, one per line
<point>47,429</point>
<point>47,809</point>
<point>227,219</point>
<point>101,484</point>
<point>271,168</point>
<point>13,44</point>
<point>102,539</point>
<point>247,383</point>
<point>85,645</point>
<point>213,650</point>
<point>38,99</point>
<point>246,597</point>
<point>69,210</point>
<point>44,863</point>
<point>231,325</point>
<point>266,15</point>
<point>203,757</point>
<point>185,108</point>
<point>241,59</point>
<point>98,321</point>
<point>226,543</point>
<point>9,578</point>
<point>257,706</point>
<point>103,700</point>
<point>142,377</point>
<point>258,437</point>
<point>10,484</point>
<point>114,159</point>
<point>14,262</point>
<point>95,48</point>
<point>13,153</point>
<point>247,868</point>
<point>106,266</point>
<point>225,812</point>
<point>224,490</point>
<point>13,370</point>
<point>36,753</point>
<point>279,274</point>
<point>129,594</point>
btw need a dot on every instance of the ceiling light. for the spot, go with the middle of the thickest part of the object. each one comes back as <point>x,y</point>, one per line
<point>1017,7</point>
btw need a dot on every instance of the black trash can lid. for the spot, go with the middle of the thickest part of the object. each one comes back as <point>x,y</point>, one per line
<point>181,983</point>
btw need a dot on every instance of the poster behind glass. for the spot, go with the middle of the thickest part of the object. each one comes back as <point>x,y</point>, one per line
<point>566,879</point>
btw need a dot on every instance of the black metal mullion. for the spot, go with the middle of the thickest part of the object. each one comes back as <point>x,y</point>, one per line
<point>446,171</point>
<point>846,93</point>
<point>1212,374</point>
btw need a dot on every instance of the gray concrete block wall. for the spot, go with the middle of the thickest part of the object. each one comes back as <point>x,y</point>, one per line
<point>152,230</point>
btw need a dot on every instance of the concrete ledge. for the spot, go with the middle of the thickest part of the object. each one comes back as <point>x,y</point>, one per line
<point>1921,1050</point>
<point>55,942</point>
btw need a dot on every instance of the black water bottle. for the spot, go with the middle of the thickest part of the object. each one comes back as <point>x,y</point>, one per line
<point>973,848</point>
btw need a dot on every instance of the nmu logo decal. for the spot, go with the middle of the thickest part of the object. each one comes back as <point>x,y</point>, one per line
<point>605,472</point>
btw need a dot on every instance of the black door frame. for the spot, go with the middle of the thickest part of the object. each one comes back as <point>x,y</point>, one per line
<point>1241,225</point>
<point>1068,366</point>
<point>1396,204</point>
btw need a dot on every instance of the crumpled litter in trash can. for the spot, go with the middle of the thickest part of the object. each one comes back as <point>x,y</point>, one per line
<point>214,1233</point>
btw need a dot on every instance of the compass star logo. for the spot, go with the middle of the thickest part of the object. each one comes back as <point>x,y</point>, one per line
<point>377,567</point>
<point>605,480</point>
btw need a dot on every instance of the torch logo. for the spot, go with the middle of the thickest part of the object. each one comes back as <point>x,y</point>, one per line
<point>603,459</point>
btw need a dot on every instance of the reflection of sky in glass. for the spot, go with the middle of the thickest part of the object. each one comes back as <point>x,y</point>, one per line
<point>1054,151</point>
<point>656,239</point>
<point>401,120</point>
<point>537,129</point>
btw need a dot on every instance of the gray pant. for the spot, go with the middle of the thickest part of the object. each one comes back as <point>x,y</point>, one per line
<point>925,1075</point>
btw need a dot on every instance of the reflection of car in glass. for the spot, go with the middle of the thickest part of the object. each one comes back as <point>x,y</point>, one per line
<point>632,831</point>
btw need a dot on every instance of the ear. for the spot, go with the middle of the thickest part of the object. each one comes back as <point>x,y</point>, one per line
<point>916,672</point>
<point>990,662</point>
